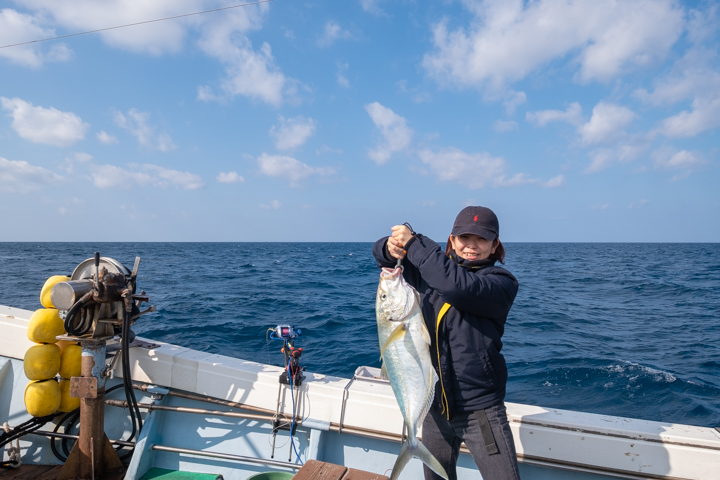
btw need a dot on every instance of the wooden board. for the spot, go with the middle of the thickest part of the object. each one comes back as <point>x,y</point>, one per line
<point>316,470</point>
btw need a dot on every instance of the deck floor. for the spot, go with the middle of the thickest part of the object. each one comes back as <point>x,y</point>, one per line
<point>44,472</point>
<point>31,472</point>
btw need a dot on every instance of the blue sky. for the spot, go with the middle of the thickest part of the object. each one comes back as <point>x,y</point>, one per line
<point>328,120</point>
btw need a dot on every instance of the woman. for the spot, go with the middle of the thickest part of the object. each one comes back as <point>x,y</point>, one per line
<point>465,302</point>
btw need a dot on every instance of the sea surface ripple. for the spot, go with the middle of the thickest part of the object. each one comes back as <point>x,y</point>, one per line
<point>631,330</point>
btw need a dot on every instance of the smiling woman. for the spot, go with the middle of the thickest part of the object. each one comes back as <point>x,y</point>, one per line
<point>465,302</point>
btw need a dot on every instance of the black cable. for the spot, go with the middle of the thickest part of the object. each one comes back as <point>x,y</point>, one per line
<point>136,23</point>
<point>23,429</point>
<point>70,325</point>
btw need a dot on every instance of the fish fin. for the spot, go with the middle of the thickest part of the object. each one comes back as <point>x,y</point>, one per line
<point>397,334</point>
<point>383,372</point>
<point>430,396</point>
<point>425,333</point>
<point>421,452</point>
<point>405,455</point>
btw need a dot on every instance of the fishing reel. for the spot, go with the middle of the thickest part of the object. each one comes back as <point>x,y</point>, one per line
<point>99,297</point>
<point>285,332</point>
<point>288,334</point>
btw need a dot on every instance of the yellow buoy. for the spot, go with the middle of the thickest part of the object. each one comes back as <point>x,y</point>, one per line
<point>45,324</point>
<point>42,397</point>
<point>67,403</point>
<point>47,288</point>
<point>70,361</point>
<point>42,362</point>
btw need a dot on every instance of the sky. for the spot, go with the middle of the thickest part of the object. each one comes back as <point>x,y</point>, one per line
<point>290,120</point>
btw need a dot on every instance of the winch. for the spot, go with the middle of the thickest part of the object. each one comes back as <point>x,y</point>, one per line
<point>99,302</point>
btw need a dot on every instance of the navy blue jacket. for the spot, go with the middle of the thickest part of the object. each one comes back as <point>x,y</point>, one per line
<point>465,306</point>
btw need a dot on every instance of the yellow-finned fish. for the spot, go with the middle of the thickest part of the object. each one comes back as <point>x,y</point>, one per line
<point>405,351</point>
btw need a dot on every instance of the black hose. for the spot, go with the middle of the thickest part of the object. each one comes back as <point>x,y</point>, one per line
<point>23,429</point>
<point>70,325</point>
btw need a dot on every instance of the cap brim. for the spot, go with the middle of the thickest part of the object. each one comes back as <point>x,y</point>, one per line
<point>480,232</point>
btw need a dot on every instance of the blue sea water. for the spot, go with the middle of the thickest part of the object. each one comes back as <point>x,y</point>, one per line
<point>622,329</point>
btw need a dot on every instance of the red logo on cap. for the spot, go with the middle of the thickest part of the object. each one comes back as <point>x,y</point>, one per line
<point>475,218</point>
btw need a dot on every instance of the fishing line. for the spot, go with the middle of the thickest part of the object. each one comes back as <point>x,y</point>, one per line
<point>137,23</point>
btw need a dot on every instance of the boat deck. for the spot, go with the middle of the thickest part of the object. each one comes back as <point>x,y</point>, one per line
<point>31,472</point>
<point>44,472</point>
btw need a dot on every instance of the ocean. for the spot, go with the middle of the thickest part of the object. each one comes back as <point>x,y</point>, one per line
<point>631,330</point>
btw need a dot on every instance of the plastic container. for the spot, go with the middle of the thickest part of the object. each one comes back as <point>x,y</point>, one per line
<point>272,476</point>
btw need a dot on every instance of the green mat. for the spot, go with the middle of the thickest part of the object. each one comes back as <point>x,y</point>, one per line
<point>164,474</point>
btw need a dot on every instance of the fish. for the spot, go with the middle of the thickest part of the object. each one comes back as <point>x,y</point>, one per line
<point>405,352</point>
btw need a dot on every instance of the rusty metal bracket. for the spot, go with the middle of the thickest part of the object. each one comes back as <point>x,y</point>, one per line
<point>83,387</point>
<point>140,343</point>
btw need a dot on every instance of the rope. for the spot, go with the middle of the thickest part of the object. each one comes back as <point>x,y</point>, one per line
<point>14,454</point>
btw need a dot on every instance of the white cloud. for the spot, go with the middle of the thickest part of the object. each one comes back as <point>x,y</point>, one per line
<point>508,39</point>
<point>16,27</point>
<point>477,170</point>
<point>229,177</point>
<point>472,170</point>
<point>502,126</point>
<point>274,205</point>
<point>106,138</point>
<point>705,115</point>
<point>19,176</point>
<point>44,125</point>
<point>156,38</point>
<point>639,204</point>
<point>554,182</point>
<point>250,73</point>
<point>604,157</point>
<point>326,149</point>
<point>136,122</point>
<point>288,167</point>
<point>607,123</point>
<point>515,100</point>
<point>696,77</point>
<point>668,158</point>
<point>292,132</point>
<point>341,78</point>
<point>572,115</point>
<point>111,176</point>
<point>371,6</point>
<point>333,31</point>
<point>394,130</point>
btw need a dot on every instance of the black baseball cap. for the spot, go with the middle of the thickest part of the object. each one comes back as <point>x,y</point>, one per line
<point>480,221</point>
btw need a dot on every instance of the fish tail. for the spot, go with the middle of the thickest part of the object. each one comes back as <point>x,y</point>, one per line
<point>405,455</point>
<point>429,459</point>
<point>420,451</point>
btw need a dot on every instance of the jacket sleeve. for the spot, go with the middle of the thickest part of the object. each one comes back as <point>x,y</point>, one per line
<point>384,259</point>
<point>381,254</point>
<point>483,294</point>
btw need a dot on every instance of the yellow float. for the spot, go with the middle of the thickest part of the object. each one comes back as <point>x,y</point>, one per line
<point>70,361</point>
<point>47,288</point>
<point>45,324</point>
<point>42,362</point>
<point>42,397</point>
<point>67,403</point>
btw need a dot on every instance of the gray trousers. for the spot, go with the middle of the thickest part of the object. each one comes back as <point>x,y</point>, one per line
<point>492,448</point>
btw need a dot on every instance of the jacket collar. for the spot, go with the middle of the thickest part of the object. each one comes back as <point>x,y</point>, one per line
<point>471,264</point>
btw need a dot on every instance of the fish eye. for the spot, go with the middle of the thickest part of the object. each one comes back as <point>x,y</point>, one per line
<point>383,296</point>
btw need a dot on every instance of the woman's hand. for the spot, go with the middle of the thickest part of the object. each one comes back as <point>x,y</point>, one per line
<point>400,236</point>
<point>395,248</point>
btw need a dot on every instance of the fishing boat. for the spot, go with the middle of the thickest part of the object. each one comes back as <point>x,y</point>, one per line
<point>212,416</point>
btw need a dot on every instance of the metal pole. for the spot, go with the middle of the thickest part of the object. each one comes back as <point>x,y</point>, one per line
<point>92,409</point>
<point>227,456</point>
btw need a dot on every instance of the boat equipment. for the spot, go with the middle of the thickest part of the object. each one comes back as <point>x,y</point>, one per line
<point>291,376</point>
<point>100,302</point>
